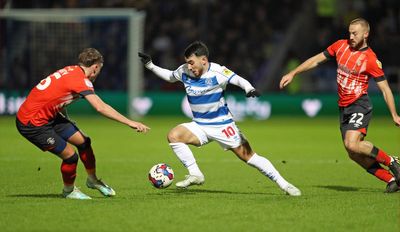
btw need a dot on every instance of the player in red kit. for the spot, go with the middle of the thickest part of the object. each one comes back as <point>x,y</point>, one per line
<point>43,121</point>
<point>357,63</point>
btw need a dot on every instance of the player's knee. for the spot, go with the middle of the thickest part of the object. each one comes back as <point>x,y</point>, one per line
<point>351,147</point>
<point>72,160</point>
<point>174,136</point>
<point>85,144</point>
<point>246,156</point>
<point>243,152</point>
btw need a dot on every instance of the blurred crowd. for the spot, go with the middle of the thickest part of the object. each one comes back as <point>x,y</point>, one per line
<point>240,34</point>
<point>384,39</point>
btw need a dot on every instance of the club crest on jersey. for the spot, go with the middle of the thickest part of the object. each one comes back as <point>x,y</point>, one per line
<point>88,83</point>
<point>379,64</point>
<point>208,81</point>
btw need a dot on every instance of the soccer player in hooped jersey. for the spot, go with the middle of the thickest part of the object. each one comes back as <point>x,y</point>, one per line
<point>205,83</point>
<point>357,63</point>
<point>42,120</point>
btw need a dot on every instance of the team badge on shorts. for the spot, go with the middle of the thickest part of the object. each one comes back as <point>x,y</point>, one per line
<point>51,141</point>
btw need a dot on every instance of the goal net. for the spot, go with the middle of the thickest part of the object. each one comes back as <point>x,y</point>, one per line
<point>36,42</point>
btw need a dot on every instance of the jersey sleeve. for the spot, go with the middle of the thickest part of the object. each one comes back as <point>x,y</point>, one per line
<point>87,89</point>
<point>375,70</point>
<point>80,84</point>
<point>177,74</point>
<point>227,73</point>
<point>224,75</point>
<point>332,49</point>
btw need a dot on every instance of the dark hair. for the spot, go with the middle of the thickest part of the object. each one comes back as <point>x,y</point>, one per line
<point>89,57</point>
<point>197,48</point>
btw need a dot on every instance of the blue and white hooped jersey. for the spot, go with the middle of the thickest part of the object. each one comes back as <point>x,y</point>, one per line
<point>206,93</point>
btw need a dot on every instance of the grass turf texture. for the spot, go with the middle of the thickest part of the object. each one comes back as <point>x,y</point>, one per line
<point>337,194</point>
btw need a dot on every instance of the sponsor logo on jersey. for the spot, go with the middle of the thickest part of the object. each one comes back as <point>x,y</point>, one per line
<point>195,92</point>
<point>343,70</point>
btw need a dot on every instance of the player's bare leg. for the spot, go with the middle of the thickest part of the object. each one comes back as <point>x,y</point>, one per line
<point>86,154</point>
<point>179,137</point>
<point>369,157</point>
<point>355,144</point>
<point>245,153</point>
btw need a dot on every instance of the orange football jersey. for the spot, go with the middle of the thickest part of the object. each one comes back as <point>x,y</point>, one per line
<point>52,94</point>
<point>355,68</point>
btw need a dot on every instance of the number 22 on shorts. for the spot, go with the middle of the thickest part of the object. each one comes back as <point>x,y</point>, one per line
<point>356,120</point>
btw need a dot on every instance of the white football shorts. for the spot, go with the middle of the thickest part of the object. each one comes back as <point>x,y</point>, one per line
<point>227,135</point>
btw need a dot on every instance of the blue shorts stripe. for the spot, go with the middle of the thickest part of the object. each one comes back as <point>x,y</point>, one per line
<point>214,123</point>
<point>66,133</point>
<point>60,146</point>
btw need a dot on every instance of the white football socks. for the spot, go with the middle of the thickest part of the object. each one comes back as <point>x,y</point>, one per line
<point>266,168</point>
<point>185,155</point>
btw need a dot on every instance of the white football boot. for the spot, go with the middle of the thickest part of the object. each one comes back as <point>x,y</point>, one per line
<point>292,190</point>
<point>101,186</point>
<point>76,194</point>
<point>190,180</point>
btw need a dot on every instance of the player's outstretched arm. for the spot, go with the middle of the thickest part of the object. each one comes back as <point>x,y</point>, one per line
<point>389,99</point>
<point>145,58</point>
<point>245,85</point>
<point>110,112</point>
<point>163,73</point>
<point>253,93</point>
<point>305,66</point>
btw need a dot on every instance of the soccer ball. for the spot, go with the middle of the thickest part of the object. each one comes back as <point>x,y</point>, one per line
<point>161,175</point>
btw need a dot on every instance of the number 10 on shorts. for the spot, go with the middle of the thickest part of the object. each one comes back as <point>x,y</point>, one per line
<point>229,131</point>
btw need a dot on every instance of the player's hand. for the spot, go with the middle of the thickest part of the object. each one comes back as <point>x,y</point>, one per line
<point>139,127</point>
<point>146,59</point>
<point>286,80</point>
<point>253,93</point>
<point>397,121</point>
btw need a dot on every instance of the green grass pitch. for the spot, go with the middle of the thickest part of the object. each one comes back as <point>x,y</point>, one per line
<point>337,194</point>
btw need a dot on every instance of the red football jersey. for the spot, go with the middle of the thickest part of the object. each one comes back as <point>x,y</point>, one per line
<point>355,68</point>
<point>52,94</point>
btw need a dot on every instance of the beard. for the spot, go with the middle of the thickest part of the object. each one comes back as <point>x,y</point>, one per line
<point>356,45</point>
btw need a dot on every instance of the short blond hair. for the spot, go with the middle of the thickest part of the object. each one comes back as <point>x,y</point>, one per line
<point>364,23</point>
<point>89,57</point>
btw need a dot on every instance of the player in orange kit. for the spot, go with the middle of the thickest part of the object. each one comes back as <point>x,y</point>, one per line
<point>357,63</point>
<point>43,121</point>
